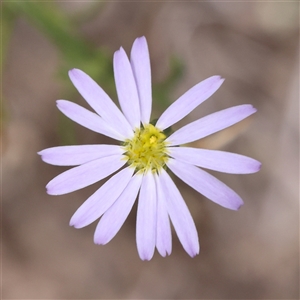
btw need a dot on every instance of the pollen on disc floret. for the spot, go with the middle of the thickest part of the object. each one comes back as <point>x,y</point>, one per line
<point>147,149</point>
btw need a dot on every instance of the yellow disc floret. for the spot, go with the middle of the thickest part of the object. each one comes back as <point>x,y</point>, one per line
<point>147,149</point>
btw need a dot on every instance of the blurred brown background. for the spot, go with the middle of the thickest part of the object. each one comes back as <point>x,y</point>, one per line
<point>249,254</point>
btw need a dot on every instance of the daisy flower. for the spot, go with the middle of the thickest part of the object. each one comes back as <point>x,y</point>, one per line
<point>142,161</point>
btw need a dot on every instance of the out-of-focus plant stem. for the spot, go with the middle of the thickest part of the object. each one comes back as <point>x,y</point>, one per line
<point>76,51</point>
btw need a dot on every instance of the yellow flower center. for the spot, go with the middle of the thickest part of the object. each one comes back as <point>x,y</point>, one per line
<point>147,149</point>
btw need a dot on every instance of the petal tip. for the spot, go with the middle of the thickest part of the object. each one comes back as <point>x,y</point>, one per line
<point>141,39</point>
<point>145,258</point>
<point>146,255</point>
<point>49,190</point>
<point>259,166</point>
<point>193,252</point>
<point>73,72</point>
<point>98,241</point>
<point>164,252</point>
<point>251,108</point>
<point>218,78</point>
<point>71,224</point>
<point>75,75</point>
<point>256,167</point>
<point>59,103</point>
<point>239,205</point>
<point>118,52</point>
<point>74,222</point>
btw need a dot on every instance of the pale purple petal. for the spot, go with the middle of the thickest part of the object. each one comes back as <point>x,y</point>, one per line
<point>210,124</point>
<point>206,184</point>
<point>189,101</point>
<point>100,102</point>
<point>140,63</point>
<point>146,218</point>
<point>216,160</point>
<point>163,230</point>
<point>126,88</point>
<point>84,175</point>
<point>77,155</point>
<point>87,119</point>
<point>179,214</point>
<point>97,204</point>
<point>115,216</point>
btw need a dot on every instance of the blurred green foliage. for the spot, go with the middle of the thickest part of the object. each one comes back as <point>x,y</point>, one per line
<point>63,31</point>
<point>76,51</point>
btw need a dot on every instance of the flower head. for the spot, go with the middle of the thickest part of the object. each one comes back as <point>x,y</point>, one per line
<point>144,156</point>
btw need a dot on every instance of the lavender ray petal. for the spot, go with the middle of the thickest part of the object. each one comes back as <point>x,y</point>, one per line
<point>189,101</point>
<point>98,203</point>
<point>87,119</point>
<point>216,160</point>
<point>84,175</point>
<point>115,216</point>
<point>100,102</point>
<point>126,88</point>
<point>179,214</point>
<point>146,218</point>
<point>210,124</point>
<point>140,63</point>
<point>77,154</point>
<point>163,230</point>
<point>206,184</point>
